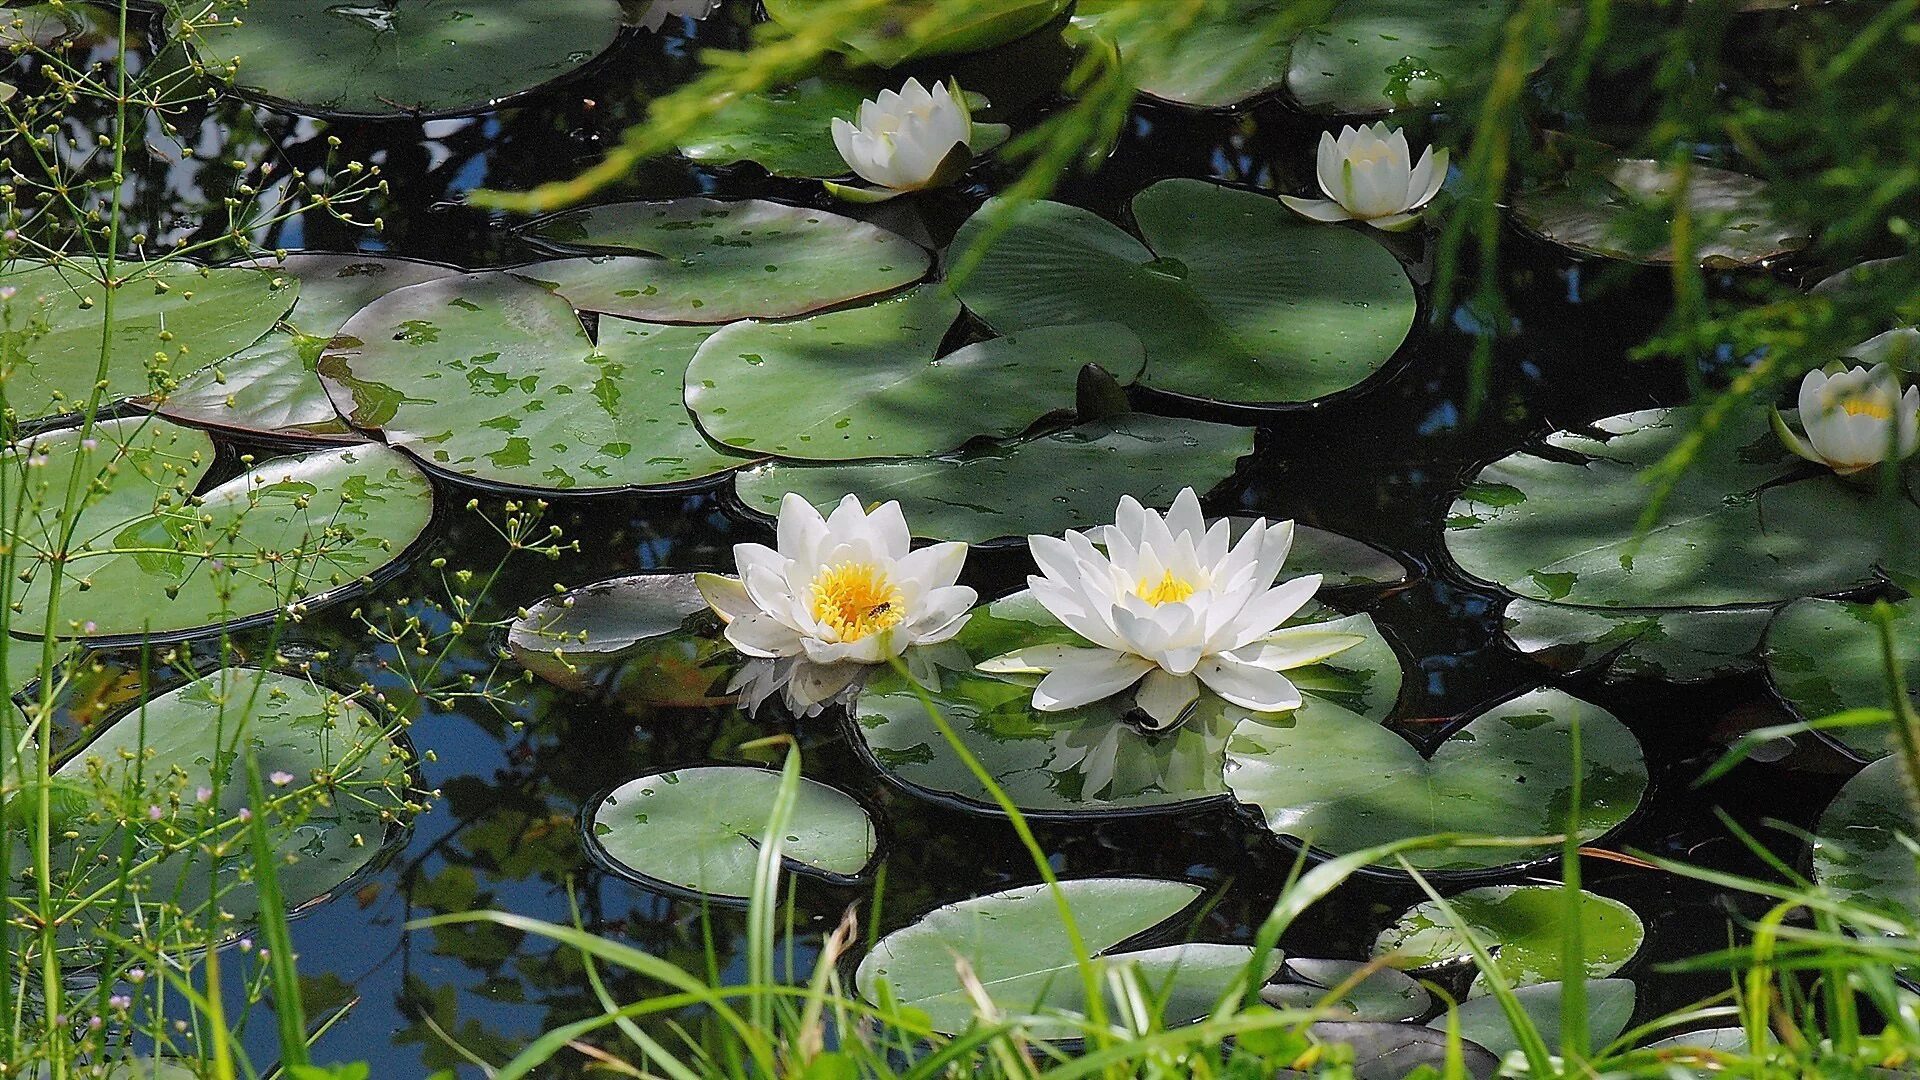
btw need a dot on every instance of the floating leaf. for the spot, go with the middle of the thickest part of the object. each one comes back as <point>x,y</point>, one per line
<point>1071,479</point>
<point>1825,657</point>
<point>1863,845</point>
<point>1383,994</point>
<point>168,319</point>
<point>865,383</point>
<point>1080,761</point>
<point>649,639</point>
<point>1341,561</point>
<point>385,57</point>
<point>1725,1040</point>
<point>1747,523</point>
<point>714,261</point>
<point>1397,1051</point>
<point>1523,926</point>
<point>347,786</point>
<point>1341,783</point>
<point>1882,280</point>
<point>291,532</point>
<point>700,829</point>
<point>1675,645</point>
<point>271,387</point>
<point>1625,212</point>
<point>1376,56</point>
<point>1013,942</point>
<point>1221,59</point>
<point>1609,1009</point>
<point>915,32</point>
<point>492,378</point>
<point>1235,297</point>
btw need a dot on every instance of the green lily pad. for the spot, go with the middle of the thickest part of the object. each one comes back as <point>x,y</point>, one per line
<point>649,639</point>
<point>291,532</point>
<point>866,383</point>
<point>492,378</point>
<point>890,39</point>
<point>1825,657</point>
<point>1863,843</point>
<point>346,786</point>
<point>1084,761</point>
<point>1609,1009</point>
<point>700,829</point>
<point>1015,945</point>
<point>1383,994</point>
<point>1341,783</point>
<point>1229,54</point>
<point>1235,297</point>
<point>1522,926</point>
<point>37,26</point>
<point>168,319</point>
<point>1377,56</point>
<point>714,261</point>
<point>1624,211</point>
<point>386,57</point>
<point>1675,645</point>
<point>1397,1051</point>
<point>1341,561</point>
<point>1725,1040</point>
<point>1746,524</point>
<point>989,494</point>
<point>271,386</point>
<point>1885,280</point>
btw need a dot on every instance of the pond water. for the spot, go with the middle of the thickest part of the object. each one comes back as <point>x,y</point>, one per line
<point>1383,465</point>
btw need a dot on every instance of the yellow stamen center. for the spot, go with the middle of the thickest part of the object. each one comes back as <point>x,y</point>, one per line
<point>1867,406</point>
<point>856,600</point>
<point>1167,590</point>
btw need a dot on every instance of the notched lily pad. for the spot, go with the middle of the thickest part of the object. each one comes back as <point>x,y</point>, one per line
<point>1624,210</point>
<point>649,639</point>
<point>1826,657</point>
<point>493,379</point>
<point>714,261</point>
<point>1522,926</point>
<point>1235,298</point>
<point>1341,783</point>
<point>1674,645</point>
<point>700,829</point>
<point>1071,479</point>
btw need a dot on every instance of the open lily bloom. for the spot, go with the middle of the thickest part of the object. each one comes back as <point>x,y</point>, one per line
<point>843,589</point>
<point>653,14</point>
<point>1368,174</point>
<point>914,139</point>
<point>1854,419</point>
<point>1169,605</point>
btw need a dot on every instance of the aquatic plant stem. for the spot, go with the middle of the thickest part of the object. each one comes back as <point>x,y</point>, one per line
<point>1906,720</point>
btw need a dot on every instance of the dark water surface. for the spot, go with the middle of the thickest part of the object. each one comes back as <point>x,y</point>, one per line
<point>1382,465</point>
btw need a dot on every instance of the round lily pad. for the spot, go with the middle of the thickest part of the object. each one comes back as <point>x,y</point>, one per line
<point>1014,943</point>
<point>1826,657</point>
<point>1376,56</point>
<point>1342,783</point>
<point>989,493</point>
<point>700,829</point>
<point>1522,926</point>
<point>1235,297</point>
<point>715,261</point>
<point>1482,1020</point>
<point>899,35</point>
<point>1676,645</point>
<point>291,532</point>
<point>866,383</point>
<point>1383,994</point>
<point>168,319</point>
<point>345,786</point>
<point>492,378</point>
<point>1224,57</point>
<point>649,639</point>
<point>384,57</point>
<point>1624,211</point>
<point>1863,844</point>
<point>270,387</point>
<point>1084,761</point>
<point>1746,524</point>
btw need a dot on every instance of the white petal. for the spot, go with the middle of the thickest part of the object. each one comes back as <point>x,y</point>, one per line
<point>1247,686</point>
<point>943,615</point>
<point>1317,209</point>
<point>1327,166</point>
<point>1165,697</point>
<point>1296,646</point>
<point>799,530</point>
<point>725,595</point>
<point>1264,614</point>
<point>763,636</point>
<point>1185,516</point>
<point>1082,676</point>
<point>934,566</point>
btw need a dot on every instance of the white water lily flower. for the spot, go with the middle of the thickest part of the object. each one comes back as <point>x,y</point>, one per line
<point>1368,174</point>
<point>907,141</point>
<point>1855,419</point>
<point>1169,605</point>
<point>845,589</point>
<point>656,13</point>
